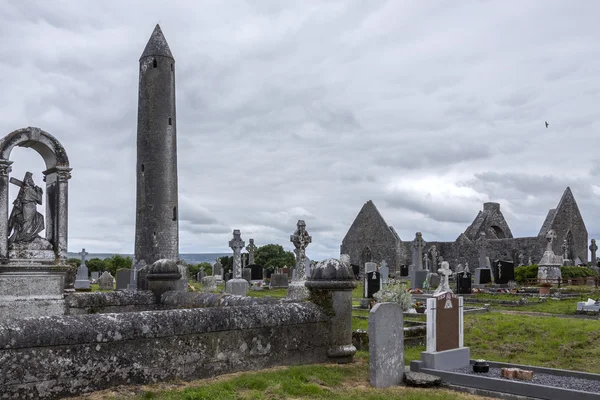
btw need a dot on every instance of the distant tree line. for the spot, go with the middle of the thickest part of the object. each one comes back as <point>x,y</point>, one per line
<point>269,256</point>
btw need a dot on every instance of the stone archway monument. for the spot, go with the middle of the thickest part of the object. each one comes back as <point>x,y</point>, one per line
<point>33,268</point>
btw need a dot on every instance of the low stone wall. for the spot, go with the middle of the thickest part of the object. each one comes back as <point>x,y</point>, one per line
<point>51,357</point>
<point>176,299</point>
<point>109,302</point>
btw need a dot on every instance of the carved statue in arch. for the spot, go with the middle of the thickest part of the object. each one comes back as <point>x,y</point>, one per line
<point>19,233</point>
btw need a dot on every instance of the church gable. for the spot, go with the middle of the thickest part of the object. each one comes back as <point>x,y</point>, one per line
<point>369,224</point>
<point>491,221</point>
<point>567,222</point>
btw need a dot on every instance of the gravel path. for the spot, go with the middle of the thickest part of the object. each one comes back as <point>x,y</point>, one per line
<point>540,378</point>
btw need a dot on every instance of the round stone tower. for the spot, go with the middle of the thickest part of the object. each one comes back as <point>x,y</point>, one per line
<point>156,225</point>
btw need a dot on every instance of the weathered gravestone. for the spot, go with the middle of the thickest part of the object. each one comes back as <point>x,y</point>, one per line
<point>247,274</point>
<point>82,281</point>
<point>123,276</point>
<point>237,285</point>
<point>300,239</point>
<point>445,348</point>
<point>106,281</point>
<point>386,345</point>
<point>182,283</point>
<point>384,270</point>
<point>200,275</point>
<point>279,281</point>
<point>218,270</point>
<point>95,275</point>
<point>432,281</point>
<point>504,272</point>
<point>372,284</point>
<point>209,284</point>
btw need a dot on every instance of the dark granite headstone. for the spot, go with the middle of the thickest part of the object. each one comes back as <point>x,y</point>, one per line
<point>483,276</point>
<point>256,273</point>
<point>404,270</point>
<point>372,284</point>
<point>463,283</point>
<point>123,277</point>
<point>356,270</point>
<point>504,272</point>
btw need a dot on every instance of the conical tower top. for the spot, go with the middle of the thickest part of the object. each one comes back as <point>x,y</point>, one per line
<point>157,45</point>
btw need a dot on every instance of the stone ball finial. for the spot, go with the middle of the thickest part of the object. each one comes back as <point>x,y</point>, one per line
<point>333,269</point>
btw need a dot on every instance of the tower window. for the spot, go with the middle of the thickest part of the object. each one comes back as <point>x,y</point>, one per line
<point>154,63</point>
<point>170,123</point>
<point>174,213</point>
<point>142,167</point>
<point>171,66</point>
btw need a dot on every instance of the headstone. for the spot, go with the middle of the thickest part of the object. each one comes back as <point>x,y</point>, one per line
<point>307,268</point>
<point>385,272</point>
<point>463,282</point>
<point>285,270</point>
<point>251,248</point>
<point>301,239</point>
<point>444,273</point>
<point>209,284</point>
<point>504,272</point>
<point>247,274</point>
<point>483,276</point>
<point>356,270</point>
<point>82,281</point>
<point>237,285</point>
<point>372,284</point>
<point>386,345</point>
<point>404,270</point>
<point>106,281</point>
<point>434,258</point>
<point>279,281</point>
<point>123,276</point>
<point>432,281</point>
<point>417,254</point>
<point>95,275</point>
<point>549,265</point>
<point>481,243</point>
<point>182,283</point>
<point>445,347</point>
<point>418,278</point>
<point>201,274</point>
<point>426,262</point>
<point>370,267</point>
<point>218,270</point>
<point>256,272</point>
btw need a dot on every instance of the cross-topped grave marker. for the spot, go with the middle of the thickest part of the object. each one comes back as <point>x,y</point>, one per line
<point>237,285</point>
<point>237,244</point>
<point>550,236</point>
<point>250,248</point>
<point>83,254</point>
<point>301,239</point>
<point>444,273</point>
<point>593,248</point>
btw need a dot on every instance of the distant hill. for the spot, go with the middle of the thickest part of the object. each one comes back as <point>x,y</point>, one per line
<point>190,258</point>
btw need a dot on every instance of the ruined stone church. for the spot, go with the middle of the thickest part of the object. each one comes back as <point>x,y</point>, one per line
<point>370,238</point>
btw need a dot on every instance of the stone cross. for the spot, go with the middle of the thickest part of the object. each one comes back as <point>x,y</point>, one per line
<point>466,270</point>
<point>593,248</point>
<point>529,261</point>
<point>550,236</point>
<point>237,244</point>
<point>83,253</point>
<point>499,270</point>
<point>481,244</point>
<point>418,244</point>
<point>434,257</point>
<point>250,248</point>
<point>244,258</point>
<point>426,261</point>
<point>444,273</point>
<point>301,240</point>
<point>565,249</point>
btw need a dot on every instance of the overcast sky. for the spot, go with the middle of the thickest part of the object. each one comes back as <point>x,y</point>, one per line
<point>292,110</point>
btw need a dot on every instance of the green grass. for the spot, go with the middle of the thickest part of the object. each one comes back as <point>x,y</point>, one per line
<point>96,288</point>
<point>567,306</point>
<point>545,341</point>
<point>358,291</point>
<point>323,381</point>
<point>277,293</point>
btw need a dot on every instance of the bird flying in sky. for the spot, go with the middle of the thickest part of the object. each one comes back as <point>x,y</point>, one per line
<point>546,123</point>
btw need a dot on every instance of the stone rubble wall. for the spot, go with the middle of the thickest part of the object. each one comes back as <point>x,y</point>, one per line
<point>110,302</point>
<point>52,357</point>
